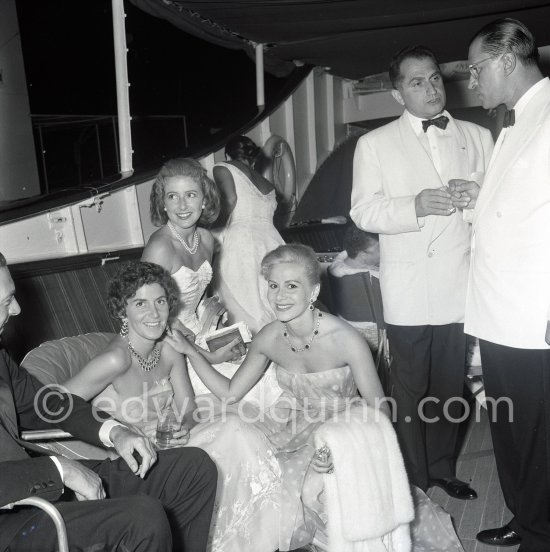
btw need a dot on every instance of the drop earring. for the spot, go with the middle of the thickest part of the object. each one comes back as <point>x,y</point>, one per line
<point>124,328</point>
<point>311,307</point>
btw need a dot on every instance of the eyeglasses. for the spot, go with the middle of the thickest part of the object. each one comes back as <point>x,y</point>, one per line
<point>474,67</point>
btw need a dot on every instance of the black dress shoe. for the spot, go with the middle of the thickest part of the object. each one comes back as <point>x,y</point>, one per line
<point>502,536</point>
<point>455,488</point>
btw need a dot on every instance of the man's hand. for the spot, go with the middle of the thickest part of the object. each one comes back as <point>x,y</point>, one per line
<point>433,202</point>
<point>464,193</point>
<point>547,337</point>
<point>85,483</point>
<point>130,446</point>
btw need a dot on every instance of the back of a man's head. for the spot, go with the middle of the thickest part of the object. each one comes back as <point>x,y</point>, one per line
<point>509,36</point>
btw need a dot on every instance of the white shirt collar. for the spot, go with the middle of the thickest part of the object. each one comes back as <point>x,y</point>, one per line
<point>416,122</point>
<point>526,98</point>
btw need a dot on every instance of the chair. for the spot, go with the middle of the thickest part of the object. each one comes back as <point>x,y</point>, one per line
<point>52,511</point>
<point>54,362</point>
<point>357,298</point>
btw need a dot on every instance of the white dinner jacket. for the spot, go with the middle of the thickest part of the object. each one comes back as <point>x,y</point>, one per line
<point>508,299</point>
<point>423,261</point>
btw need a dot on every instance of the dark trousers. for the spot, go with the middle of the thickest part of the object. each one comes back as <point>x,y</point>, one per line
<point>521,443</point>
<point>428,363</point>
<point>169,510</point>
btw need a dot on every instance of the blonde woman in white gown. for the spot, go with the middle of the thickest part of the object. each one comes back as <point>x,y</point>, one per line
<point>248,205</point>
<point>322,363</point>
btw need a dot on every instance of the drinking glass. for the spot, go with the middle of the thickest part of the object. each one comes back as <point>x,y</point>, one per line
<point>167,425</point>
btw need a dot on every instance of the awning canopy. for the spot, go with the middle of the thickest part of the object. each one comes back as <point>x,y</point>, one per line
<point>354,38</point>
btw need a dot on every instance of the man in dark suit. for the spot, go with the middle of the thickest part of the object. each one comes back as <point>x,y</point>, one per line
<point>154,503</point>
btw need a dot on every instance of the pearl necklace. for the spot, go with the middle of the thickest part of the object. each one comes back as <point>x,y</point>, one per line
<point>196,240</point>
<point>307,346</point>
<point>146,364</point>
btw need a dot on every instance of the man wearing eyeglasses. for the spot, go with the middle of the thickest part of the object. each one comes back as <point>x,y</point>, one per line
<point>400,191</point>
<point>508,300</point>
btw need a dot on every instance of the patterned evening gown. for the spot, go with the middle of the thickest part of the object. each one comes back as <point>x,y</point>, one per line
<point>246,511</point>
<point>291,427</point>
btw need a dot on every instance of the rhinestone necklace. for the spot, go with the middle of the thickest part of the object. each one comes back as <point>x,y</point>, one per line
<point>307,346</point>
<point>146,364</point>
<point>196,240</point>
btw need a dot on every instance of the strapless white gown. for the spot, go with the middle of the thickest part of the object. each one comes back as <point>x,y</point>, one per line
<point>298,416</point>
<point>192,285</point>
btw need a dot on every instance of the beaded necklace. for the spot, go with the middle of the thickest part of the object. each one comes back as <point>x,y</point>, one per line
<point>307,346</point>
<point>149,363</point>
<point>196,239</point>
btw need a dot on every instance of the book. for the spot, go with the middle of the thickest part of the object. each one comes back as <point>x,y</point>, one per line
<point>223,336</point>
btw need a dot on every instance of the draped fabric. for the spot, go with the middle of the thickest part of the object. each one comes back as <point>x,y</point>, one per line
<point>354,38</point>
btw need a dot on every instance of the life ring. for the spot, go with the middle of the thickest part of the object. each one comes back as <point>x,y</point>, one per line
<point>280,169</point>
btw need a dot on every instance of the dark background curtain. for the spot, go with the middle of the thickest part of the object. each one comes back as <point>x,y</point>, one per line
<point>353,38</point>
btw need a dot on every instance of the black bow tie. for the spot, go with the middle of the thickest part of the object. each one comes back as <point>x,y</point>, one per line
<point>439,122</point>
<point>509,118</point>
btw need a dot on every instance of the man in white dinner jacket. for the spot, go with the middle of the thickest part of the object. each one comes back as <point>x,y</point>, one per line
<point>400,191</point>
<point>508,298</point>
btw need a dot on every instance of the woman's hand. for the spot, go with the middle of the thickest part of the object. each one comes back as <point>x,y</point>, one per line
<point>179,342</point>
<point>232,352</point>
<point>182,328</point>
<point>180,437</point>
<point>322,460</point>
